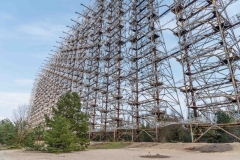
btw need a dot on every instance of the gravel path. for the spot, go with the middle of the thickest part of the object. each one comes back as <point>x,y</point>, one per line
<point>174,151</point>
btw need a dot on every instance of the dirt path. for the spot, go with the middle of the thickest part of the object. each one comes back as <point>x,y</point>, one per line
<point>133,152</point>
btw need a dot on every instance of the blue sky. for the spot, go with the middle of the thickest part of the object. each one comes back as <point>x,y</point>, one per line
<point>28,31</point>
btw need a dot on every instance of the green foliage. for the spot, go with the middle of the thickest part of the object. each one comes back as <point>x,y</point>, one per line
<point>220,136</point>
<point>60,138</point>
<point>144,137</point>
<point>174,133</point>
<point>34,140</point>
<point>29,140</point>
<point>68,128</point>
<point>223,117</point>
<point>7,132</point>
<point>22,128</point>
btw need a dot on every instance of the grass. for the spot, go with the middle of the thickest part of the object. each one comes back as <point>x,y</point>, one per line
<point>9,147</point>
<point>3,147</point>
<point>109,145</point>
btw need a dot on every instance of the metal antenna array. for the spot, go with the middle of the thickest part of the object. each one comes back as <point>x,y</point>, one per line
<point>153,93</point>
<point>209,58</point>
<point>116,58</point>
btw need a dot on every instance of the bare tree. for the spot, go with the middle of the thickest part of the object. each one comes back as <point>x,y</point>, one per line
<point>21,120</point>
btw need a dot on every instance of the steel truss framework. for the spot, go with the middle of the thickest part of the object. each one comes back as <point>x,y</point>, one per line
<point>115,57</point>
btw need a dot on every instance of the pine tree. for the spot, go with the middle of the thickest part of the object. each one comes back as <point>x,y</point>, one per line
<point>68,112</point>
<point>60,138</point>
<point>33,140</point>
<point>8,132</point>
<point>223,117</point>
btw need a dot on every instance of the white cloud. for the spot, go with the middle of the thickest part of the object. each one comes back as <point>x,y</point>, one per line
<point>13,99</point>
<point>35,30</point>
<point>1,118</point>
<point>10,101</point>
<point>39,32</point>
<point>24,82</point>
<point>42,29</point>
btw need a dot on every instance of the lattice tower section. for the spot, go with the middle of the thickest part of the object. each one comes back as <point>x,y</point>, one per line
<point>210,59</point>
<point>154,97</point>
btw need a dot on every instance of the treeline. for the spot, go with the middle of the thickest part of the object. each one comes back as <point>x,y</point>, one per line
<point>14,134</point>
<point>65,131</point>
<point>8,133</point>
<point>176,133</point>
<point>181,133</point>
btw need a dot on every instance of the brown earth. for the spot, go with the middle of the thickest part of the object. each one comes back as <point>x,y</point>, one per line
<point>155,156</point>
<point>136,151</point>
<point>212,148</point>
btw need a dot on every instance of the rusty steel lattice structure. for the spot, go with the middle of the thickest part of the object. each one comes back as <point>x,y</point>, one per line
<point>209,57</point>
<point>116,58</point>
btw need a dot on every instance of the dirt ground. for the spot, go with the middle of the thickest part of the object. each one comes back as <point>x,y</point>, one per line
<point>136,151</point>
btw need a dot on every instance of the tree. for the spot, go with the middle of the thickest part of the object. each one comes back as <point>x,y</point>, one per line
<point>68,112</point>
<point>21,122</point>
<point>7,132</point>
<point>60,138</point>
<point>14,134</point>
<point>34,140</point>
<point>174,133</point>
<point>223,117</point>
<point>144,137</point>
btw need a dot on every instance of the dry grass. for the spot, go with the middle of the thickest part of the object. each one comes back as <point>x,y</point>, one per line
<point>109,145</point>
